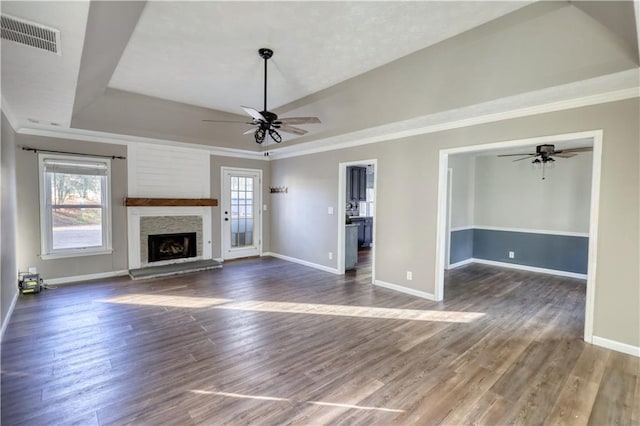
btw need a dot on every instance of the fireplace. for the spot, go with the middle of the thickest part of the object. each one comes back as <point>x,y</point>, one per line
<point>172,246</point>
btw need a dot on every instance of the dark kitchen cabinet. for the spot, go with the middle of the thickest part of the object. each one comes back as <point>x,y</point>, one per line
<point>356,183</point>
<point>365,230</point>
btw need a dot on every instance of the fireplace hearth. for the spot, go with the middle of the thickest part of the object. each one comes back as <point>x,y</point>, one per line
<point>172,246</point>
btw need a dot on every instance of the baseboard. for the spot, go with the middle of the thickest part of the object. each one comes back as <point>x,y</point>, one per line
<point>461,263</point>
<point>7,318</point>
<point>530,268</point>
<point>302,262</point>
<point>406,290</point>
<point>616,346</point>
<point>88,277</point>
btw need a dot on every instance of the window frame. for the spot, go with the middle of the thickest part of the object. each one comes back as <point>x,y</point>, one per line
<point>46,211</point>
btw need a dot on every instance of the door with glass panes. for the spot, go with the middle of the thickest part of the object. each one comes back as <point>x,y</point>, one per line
<point>240,213</point>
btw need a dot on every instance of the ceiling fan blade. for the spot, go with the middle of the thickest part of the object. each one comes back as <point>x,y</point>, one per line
<point>514,155</point>
<point>228,121</point>
<point>298,120</point>
<point>291,129</point>
<point>582,149</point>
<point>254,113</point>
<point>525,158</point>
<point>563,154</point>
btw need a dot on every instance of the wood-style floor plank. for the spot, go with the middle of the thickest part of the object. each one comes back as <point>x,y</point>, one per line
<point>264,341</point>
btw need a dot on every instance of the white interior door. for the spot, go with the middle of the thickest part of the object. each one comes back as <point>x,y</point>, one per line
<point>241,219</point>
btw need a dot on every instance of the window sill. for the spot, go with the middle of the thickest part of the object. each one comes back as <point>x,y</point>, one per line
<point>75,253</point>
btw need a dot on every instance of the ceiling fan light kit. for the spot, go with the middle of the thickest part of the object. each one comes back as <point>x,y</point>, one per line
<point>543,157</point>
<point>266,121</point>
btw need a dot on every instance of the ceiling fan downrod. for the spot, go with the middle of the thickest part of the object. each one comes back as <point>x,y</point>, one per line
<point>265,54</point>
<point>265,127</point>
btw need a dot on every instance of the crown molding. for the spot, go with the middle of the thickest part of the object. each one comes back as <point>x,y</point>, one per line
<point>609,88</point>
<point>118,139</point>
<point>390,132</point>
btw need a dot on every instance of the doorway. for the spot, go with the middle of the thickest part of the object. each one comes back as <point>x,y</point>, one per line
<point>595,139</point>
<point>357,198</point>
<point>240,212</point>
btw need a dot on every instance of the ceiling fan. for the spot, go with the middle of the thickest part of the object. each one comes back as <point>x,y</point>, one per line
<point>544,155</point>
<point>267,122</point>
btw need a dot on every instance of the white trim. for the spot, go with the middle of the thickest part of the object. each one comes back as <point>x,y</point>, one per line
<point>133,228</point>
<point>257,209</point>
<point>530,268</point>
<point>533,231</point>
<point>636,6</point>
<point>462,228</point>
<point>117,139</point>
<point>413,127</point>
<point>302,262</point>
<point>7,317</point>
<point>593,235</point>
<point>461,263</point>
<point>504,109</point>
<point>616,346</point>
<point>405,290</point>
<point>11,117</point>
<point>441,226</point>
<point>75,253</point>
<point>597,137</point>
<point>536,140</point>
<point>87,277</point>
<point>47,251</point>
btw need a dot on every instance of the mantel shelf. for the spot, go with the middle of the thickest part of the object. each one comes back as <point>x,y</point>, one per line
<point>170,202</point>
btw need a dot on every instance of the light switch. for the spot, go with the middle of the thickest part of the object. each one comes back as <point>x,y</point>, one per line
<point>330,210</point>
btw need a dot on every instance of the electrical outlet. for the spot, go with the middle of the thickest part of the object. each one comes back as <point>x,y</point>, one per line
<point>409,275</point>
<point>264,207</point>
<point>512,255</point>
<point>330,255</point>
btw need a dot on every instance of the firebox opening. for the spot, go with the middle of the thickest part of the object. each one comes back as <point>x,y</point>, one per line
<point>172,246</point>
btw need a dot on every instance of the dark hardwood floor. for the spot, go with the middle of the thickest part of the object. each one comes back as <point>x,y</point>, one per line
<point>265,341</point>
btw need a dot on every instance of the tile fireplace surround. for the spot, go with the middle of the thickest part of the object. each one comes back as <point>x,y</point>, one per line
<point>143,221</point>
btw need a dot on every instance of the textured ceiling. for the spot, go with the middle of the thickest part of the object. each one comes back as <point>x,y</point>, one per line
<point>205,53</point>
<point>40,85</point>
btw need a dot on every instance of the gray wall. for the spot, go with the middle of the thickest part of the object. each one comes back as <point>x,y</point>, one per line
<point>461,245</point>
<point>8,261</point>
<point>217,162</point>
<point>406,219</point>
<point>557,252</point>
<point>512,194</point>
<point>29,210</point>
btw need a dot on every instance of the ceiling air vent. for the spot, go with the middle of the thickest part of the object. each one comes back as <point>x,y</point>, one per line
<point>30,34</point>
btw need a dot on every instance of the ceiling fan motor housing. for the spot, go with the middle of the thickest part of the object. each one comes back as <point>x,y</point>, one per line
<point>546,149</point>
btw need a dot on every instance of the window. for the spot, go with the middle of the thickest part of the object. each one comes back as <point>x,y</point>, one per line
<point>74,205</point>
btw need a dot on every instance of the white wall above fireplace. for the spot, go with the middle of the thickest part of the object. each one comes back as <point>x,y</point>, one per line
<point>157,171</point>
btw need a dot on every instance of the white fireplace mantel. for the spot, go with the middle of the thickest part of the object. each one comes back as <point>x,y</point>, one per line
<point>133,228</point>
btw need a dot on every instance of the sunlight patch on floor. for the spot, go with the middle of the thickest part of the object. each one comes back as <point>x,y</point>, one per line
<point>272,398</point>
<point>169,301</point>
<point>297,308</point>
